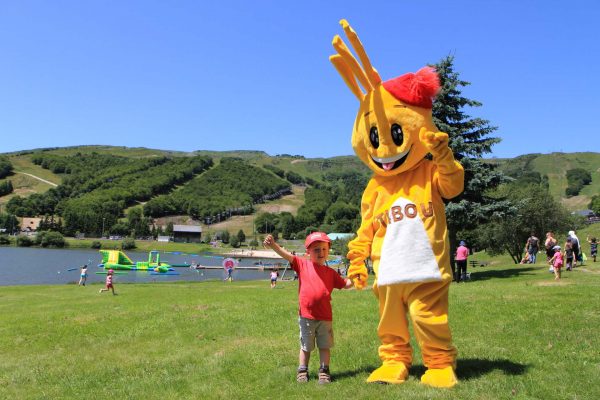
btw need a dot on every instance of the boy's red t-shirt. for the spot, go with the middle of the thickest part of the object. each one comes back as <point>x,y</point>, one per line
<point>315,287</point>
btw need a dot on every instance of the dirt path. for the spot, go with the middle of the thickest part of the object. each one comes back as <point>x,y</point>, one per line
<point>38,178</point>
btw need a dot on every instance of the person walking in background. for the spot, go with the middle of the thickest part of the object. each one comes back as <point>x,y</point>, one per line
<point>83,275</point>
<point>576,247</point>
<point>229,277</point>
<point>557,262</point>
<point>593,247</point>
<point>462,253</point>
<point>532,246</point>
<point>569,254</point>
<point>549,244</point>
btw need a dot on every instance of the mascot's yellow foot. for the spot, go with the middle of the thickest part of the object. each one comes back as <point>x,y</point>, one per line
<point>441,377</point>
<point>389,374</point>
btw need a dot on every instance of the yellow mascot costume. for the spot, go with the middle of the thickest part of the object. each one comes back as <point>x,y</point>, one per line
<point>403,227</point>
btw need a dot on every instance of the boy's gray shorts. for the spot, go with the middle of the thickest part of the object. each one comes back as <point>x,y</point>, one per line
<point>311,330</point>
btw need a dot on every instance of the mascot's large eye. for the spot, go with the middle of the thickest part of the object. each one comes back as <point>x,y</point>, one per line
<point>374,137</point>
<point>397,134</point>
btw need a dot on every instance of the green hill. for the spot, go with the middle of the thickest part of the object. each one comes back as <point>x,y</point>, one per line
<point>555,167</point>
<point>114,179</point>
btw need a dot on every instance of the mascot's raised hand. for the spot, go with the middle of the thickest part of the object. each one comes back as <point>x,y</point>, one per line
<point>403,228</point>
<point>435,142</point>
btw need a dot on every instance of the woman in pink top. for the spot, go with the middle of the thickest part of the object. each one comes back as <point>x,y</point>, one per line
<point>462,252</point>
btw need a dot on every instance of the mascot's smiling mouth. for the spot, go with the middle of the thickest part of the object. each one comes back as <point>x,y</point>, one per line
<point>390,163</point>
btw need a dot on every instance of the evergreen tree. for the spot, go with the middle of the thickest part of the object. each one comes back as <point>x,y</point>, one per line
<point>469,140</point>
<point>169,229</point>
<point>241,236</point>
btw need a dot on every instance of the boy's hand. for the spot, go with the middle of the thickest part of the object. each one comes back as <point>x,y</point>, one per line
<point>269,241</point>
<point>358,274</point>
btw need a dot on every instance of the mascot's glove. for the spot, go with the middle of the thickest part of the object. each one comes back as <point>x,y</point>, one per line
<point>358,274</point>
<point>435,142</point>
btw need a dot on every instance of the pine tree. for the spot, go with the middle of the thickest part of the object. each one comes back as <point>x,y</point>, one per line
<point>469,140</point>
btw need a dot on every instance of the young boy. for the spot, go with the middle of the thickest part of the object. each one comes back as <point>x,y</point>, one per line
<point>317,281</point>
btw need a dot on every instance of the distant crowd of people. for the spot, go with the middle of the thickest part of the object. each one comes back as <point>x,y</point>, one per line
<point>568,256</point>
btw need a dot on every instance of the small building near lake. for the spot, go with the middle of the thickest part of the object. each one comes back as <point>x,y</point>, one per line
<point>29,226</point>
<point>187,233</point>
<point>336,236</point>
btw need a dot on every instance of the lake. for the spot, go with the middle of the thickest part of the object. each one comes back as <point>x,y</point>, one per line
<point>37,266</point>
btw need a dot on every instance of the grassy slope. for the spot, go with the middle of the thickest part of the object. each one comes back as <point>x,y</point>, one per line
<point>25,185</point>
<point>289,203</point>
<point>556,165</point>
<point>519,335</point>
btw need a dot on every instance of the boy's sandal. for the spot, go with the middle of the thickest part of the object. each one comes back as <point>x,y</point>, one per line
<point>302,376</point>
<point>324,377</point>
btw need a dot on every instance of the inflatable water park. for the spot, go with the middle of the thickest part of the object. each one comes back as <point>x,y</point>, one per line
<point>118,260</point>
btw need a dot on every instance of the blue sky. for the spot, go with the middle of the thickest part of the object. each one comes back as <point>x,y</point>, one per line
<point>255,75</point>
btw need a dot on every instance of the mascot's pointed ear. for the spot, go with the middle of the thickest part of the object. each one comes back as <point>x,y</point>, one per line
<point>349,68</point>
<point>346,73</point>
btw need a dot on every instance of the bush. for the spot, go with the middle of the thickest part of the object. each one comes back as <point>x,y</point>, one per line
<point>96,244</point>
<point>234,242</point>
<point>253,243</point>
<point>128,244</point>
<point>4,239</point>
<point>294,178</point>
<point>24,241</point>
<point>50,239</point>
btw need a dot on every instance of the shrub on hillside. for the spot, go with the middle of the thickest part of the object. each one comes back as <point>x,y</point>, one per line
<point>576,179</point>
<point>24,241</point>
<point>4,239</point>
<point>6,167</point>
<point>6,187</point>
<point>234,242</point>
<point>294,178</point>
<point>96,244</point>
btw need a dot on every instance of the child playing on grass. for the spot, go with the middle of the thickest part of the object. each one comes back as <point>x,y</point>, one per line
<point>557,262</point>
<point>83,275</point>
<point>593,247</point>
<point>525,259</point>
<point>317,281</point>
<point>274,275</point>
<point>109,282</point>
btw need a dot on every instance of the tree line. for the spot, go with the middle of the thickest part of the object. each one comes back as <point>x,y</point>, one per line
<point>230,188</point>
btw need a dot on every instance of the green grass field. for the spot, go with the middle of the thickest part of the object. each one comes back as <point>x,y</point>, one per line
<point>520,335</point>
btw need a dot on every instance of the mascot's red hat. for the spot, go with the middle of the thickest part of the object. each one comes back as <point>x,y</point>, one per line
<point>418,89</point>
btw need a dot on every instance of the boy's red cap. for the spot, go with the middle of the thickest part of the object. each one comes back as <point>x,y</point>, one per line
<point>316,237</point>
<point>418,89</point>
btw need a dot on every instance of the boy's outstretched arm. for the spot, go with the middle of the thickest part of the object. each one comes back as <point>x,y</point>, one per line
<point>269,242</point>
<point>349,284</point>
